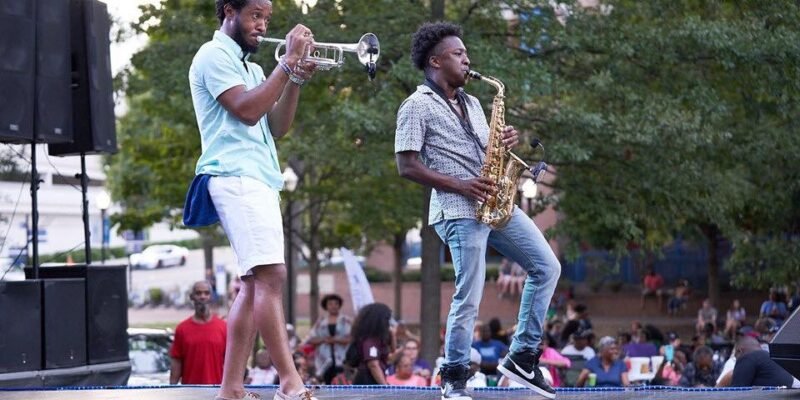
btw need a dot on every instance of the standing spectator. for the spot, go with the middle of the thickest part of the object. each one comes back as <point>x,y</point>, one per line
<point>371,344</point>
<point>707,314</point>
<point>264,373</point>
<point>754,367</point>
<point>652,285</point>
<point>198,350</point>
<point>491,350</point>
<point>702,371</point>
<point>679,299</point>
<point>404,374</point>
<point>734,319</point>
<point>774,308</point>
<point>609,369</point>
<point>579,346</point>
<point>330,335</point>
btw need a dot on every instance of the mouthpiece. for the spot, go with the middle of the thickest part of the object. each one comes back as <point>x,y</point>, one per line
<point>474,75</point>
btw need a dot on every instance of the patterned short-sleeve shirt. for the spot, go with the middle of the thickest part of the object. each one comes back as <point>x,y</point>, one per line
<point>426,124</point>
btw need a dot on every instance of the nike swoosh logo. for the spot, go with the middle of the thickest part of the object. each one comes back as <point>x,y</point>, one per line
<point>527,375</point>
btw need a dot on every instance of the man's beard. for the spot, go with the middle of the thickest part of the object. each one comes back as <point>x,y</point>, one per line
<point>201,308</point>
<point>239,38</point>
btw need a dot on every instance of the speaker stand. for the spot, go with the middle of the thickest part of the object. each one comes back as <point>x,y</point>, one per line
<point>87,248</point>
<point>35,181</point>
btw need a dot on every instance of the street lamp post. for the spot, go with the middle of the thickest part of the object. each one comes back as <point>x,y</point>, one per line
<point>529,192</point>
<point>290,184</point>
<point>103,202</point>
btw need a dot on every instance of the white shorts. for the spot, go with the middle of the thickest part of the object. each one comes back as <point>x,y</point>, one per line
<point>250,214</point>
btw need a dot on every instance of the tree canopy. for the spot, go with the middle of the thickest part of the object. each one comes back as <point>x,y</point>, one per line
<point>660,118</point>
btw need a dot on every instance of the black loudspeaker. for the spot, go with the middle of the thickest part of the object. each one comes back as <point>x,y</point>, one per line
<point>17,70</point>
<point>93,123</point>
<point>20,326</point>
<point>785,346</point>
<point>106,308</point>
<point>53,72</point>
<point>64,314</point>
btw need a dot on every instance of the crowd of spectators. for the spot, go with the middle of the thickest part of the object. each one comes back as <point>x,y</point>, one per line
<point>372,348</point>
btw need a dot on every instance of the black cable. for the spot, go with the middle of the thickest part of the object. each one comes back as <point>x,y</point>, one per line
<point>11,221</point>
<point>60,174</point>
<point>22,156</point>
<point>13,263</point>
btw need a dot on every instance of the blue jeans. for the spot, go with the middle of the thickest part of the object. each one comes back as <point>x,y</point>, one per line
<point>521,241</point>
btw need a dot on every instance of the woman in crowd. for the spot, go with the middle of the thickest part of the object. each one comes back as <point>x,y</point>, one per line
<point>371,344</point>
<point>330,335</point>
<point>607,367</point>
<point>404,374</point>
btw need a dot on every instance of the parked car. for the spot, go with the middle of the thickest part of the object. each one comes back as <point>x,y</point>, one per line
<point>149,354</point>
<point>159,256</point>
<point>9,271</point>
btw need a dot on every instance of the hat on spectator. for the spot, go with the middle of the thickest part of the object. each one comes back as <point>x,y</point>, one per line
<point>583,334</point>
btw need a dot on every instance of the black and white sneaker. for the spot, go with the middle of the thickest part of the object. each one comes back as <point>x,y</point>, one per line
<point>523,368</point>
<point>454,383</point>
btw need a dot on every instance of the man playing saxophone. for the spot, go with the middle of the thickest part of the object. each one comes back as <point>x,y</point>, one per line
<point>441,142</point>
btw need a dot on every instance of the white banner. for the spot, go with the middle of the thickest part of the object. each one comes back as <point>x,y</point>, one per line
<point>360,292</point>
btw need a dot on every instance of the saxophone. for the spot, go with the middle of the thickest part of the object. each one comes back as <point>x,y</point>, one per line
<point>501,166</point>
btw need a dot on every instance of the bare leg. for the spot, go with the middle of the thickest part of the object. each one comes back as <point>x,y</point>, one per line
<point>241,334</point>
<point>268,303</point>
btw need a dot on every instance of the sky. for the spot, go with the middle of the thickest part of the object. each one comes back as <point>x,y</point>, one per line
<point>125,11</point>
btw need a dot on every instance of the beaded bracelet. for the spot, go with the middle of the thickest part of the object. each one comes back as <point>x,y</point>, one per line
<point>292,76</point>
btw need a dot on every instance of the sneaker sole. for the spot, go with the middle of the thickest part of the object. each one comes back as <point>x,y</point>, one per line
<point>510,375</point>
<point>457,398</point>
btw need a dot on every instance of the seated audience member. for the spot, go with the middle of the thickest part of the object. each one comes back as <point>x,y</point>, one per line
<point>669,372</point>
<point>679,298</point>
<point>404,374</point>
<point>652,285</point>
<point>639,346</point>
<point>734,319</point>
<point>608,368</point>
<point>554,328</point>
<point>553,360</point>
<point>707,314</point>
<point>579,346</point>
<point>754,367</point>
<point>703,371</point>
<point>774,308</point>
<point>491,351</point>
<point>420,367</point>
<point>477,378</point>
<point>498,333</point>
<point>264,373</point>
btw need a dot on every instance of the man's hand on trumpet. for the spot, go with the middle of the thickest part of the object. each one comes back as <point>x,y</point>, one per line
<point>298,41</point>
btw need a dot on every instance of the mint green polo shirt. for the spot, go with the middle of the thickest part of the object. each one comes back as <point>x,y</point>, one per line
<point>230,147</point>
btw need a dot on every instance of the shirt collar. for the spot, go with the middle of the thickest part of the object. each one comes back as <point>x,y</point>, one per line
<point>231,45</point>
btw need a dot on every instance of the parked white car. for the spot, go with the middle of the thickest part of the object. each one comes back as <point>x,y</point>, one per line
<point>159,256</point>
<point>149,355</point>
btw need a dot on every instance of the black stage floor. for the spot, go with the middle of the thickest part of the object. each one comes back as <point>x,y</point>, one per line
<point>347,393</point>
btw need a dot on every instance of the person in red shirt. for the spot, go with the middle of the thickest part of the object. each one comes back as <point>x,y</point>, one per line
<point>198,351</point>
<point>653,282</point>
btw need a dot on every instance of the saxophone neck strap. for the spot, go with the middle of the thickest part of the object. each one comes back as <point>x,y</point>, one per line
<point>465,121</point>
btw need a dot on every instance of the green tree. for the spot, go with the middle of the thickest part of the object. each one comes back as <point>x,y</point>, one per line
<point>656,114</point>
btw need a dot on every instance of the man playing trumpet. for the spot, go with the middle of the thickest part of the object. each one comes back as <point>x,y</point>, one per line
<point>441,142</point>
<point>239,113</point>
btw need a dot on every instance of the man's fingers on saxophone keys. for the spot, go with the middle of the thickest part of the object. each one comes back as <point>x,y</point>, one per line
<point>510,136</point>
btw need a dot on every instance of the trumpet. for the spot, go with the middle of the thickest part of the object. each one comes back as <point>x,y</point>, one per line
<point>331,55</point>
